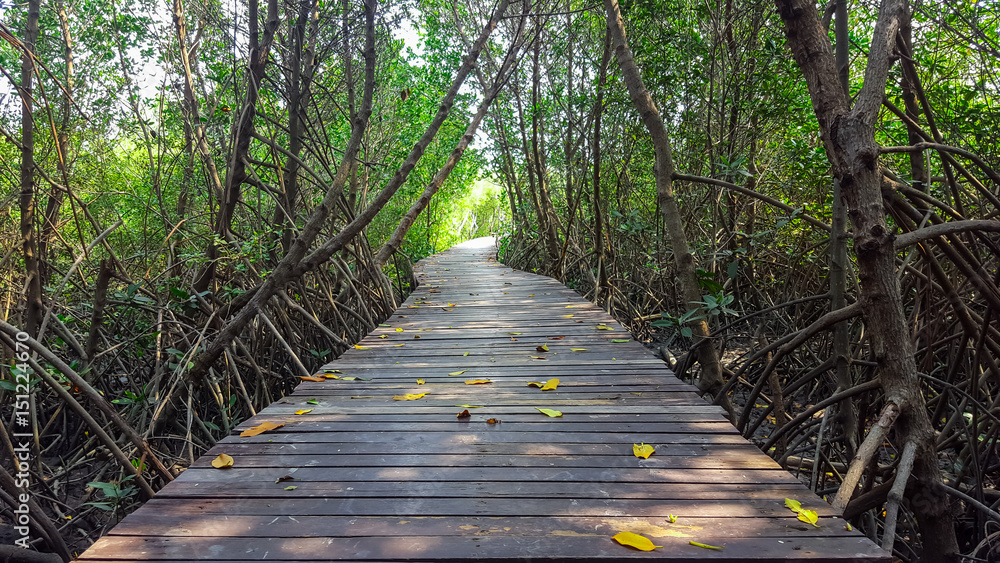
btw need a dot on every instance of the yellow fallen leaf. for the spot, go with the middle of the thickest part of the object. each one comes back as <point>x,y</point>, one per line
<point>399,329</point>
<point>408,397</point>
<point>291,488</point>
<point>809,516</point>
<point>535,384</point>
<point>577,349</point>
<point>604,327</point>
<point>260,429</point>
<point>549,412</point>
<point>542,348</point>
<point>671,518</point>
<point>567,316</point>
<point>420,382</point>
<point>642,450</point>
<point>477,381</point>
<point>303,411</point>
<point>359,347</point>
<point>471,406</point>
<point>514,333</point>
<point>538,357</point>
<point>383,336</point>
<point>460,372</point>
<point>551,384</point>
<point>705,545</point>
<point>331,376</point>
<point>398,345</point>
<point>641,543</point>
<point>311,378</point>
<point>222,462</point>
<point>465,354</point>
<point>805,515</point>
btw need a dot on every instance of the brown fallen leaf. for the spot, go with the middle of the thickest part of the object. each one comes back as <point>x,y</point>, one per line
<point>555,338</point>
<point>493,421</point>
<point>463,414</point>
<point>224,461</point>
<point>311,378</point>
<point>283,479</point>
<point>260,429</point>
<point>542,348</point>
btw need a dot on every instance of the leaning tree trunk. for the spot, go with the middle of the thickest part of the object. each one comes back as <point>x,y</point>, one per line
<point>29,246</point>
<point>849,137</point>
<point>711,370</point>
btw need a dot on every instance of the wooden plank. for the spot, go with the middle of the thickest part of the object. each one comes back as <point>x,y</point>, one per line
<point>360,476</point>
<point>477,547</point>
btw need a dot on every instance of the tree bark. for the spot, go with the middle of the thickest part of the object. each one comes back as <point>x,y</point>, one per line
<point>849,137</point>
<point>33,276</point>
<point>260,48</point>
<point>710,380</point>
<point>50,219</point>
<point>600,248</point>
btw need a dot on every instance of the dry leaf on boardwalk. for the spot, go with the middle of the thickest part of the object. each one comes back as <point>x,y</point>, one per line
<point>642,450</point>
<point>408,397</point>
<point>704,545</point>
<point>549,412</point>
<point>477,381</point>
<point>459,372</point>
<point>311,378</point>
<point>635,540</point>
<point>805,515</point>
<point>463,414</point>
<point>222,462</point>
<point>260,429</point>
<point>303,411</point>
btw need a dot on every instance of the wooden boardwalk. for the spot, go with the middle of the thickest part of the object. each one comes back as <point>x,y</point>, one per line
<point>364,477</point>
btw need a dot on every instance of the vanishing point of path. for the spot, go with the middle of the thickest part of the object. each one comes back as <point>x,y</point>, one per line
<point>362,476</point>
